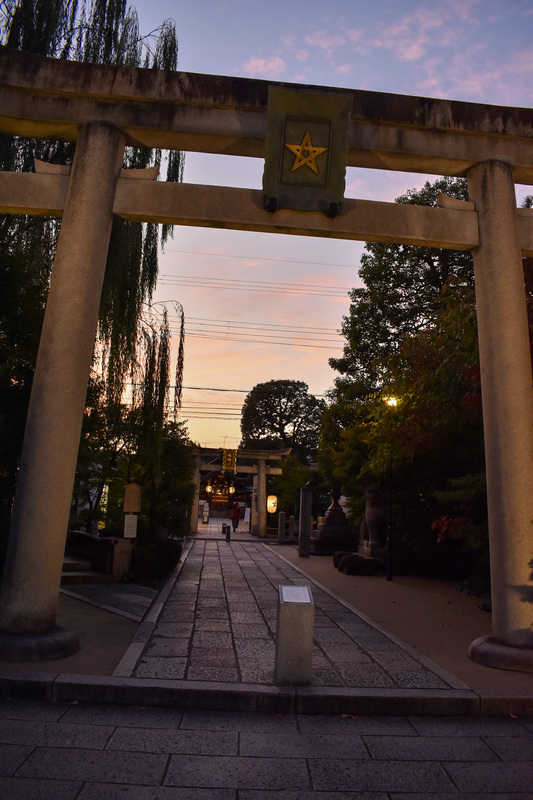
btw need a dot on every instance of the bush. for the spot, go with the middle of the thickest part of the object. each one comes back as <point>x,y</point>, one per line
<point>152,563</point>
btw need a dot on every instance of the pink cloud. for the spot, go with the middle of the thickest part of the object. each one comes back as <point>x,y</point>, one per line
<point>358,40</point>
<point>301,55</point>
<point>355,35</point>
<point>344,69</point>
<point>495,81</point>
<point>327,43</point>
<point>272,67</point>
<point>412,36</point>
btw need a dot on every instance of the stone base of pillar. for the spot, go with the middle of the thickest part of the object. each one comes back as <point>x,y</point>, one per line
<point>58,643</point>
<point>490,653</point>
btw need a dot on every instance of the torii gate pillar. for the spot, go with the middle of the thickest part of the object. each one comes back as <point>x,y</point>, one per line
<point>506,384</point>
<point>259,525</point>
<point>196,499</point>
<point>32,575</point>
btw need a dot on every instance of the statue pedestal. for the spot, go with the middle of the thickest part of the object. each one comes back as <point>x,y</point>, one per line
<point>335,533</point>
<point>371,550</point>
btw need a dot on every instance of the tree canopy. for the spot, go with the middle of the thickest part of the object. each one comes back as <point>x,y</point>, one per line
<point>280,414</point>
<point>402,295</point>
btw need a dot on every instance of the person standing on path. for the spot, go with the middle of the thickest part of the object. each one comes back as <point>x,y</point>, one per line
<point>235,516</point>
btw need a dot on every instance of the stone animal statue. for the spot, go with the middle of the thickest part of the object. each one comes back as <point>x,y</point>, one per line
<point>373,528</point>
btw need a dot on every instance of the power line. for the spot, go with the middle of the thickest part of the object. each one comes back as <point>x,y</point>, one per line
<point>239,391</point>
<point>299,289</point>
<point>247,340</point>
<point>237,331</point>
<point>259,258</point>
<point>263,325</point>
<point>220,389</point>
<point>232,330</point>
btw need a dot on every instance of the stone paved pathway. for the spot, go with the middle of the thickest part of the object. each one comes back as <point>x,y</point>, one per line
<point>219,621</point>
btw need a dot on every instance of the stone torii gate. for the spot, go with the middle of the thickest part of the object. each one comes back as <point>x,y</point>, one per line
<point>103,109</point>
<point>261,469</point>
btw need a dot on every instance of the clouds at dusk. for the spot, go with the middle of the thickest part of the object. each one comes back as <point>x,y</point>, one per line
<point>470,50</point>
<point>449,49</point>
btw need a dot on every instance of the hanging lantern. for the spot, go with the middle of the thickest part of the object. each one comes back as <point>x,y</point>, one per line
<point>272,503</point>
<point>209,488</point>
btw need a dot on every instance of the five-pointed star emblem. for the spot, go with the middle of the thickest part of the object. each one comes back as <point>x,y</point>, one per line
<point>305,153</point>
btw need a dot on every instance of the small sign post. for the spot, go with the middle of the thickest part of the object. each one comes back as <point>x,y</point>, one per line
<point>132,507</point>
<point>294,635</point>
<point>130,526</point>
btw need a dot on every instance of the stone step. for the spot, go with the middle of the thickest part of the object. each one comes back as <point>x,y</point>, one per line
<point>74,563</point>
<point>83,576</point>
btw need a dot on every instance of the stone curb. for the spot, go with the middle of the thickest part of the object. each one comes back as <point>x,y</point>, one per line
<point>62,687</point>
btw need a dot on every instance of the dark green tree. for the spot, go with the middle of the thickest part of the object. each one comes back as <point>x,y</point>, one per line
<point>401,296</point>
<point>280,414</point>
<point>139,442</point>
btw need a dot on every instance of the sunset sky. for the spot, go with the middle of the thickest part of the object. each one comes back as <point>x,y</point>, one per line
<point>264,306</point>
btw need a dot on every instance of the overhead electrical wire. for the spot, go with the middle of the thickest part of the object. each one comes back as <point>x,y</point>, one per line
<point>199,409</point>
<point>261,333</point>
<point>259,258</point>
<point>264,325</point>
<point>269,287</point>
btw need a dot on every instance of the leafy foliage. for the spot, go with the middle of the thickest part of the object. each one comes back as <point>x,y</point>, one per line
<point>402,294</point>
<point>104,32</point>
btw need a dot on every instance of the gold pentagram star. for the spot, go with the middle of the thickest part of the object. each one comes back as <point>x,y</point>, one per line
<point>305,153</point>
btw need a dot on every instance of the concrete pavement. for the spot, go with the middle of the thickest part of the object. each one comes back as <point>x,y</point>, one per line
<point>71,751</point>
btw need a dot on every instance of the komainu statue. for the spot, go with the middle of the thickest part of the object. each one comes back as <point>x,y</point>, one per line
<point>373,528</point>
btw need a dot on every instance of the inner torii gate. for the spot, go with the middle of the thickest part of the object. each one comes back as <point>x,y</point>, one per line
<point>103,109</point>
<point>261,469</point>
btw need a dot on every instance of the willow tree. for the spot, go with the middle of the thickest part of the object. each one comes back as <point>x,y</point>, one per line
<point>99,32</point>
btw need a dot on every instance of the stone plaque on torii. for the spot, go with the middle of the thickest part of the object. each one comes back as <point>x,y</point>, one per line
<point>105,108</point>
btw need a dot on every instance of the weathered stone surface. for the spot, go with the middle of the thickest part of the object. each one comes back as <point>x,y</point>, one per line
<point>238,772</point>
<point>93,765</point>
<point>384,776</point>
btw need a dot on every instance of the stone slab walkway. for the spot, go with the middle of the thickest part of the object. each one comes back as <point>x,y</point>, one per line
<point>219,624</point>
